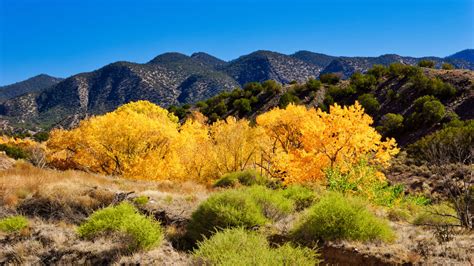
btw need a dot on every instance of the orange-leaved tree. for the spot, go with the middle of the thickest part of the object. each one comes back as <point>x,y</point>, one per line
<point>306,141</point>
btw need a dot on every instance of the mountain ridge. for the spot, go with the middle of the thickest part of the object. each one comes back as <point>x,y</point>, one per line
<point>175,78</point>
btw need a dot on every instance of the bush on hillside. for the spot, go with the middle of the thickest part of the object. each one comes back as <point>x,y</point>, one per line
<point>391,124</point>
<point>272,202</point>
<point>427,111</point>
<point>240,247</point>
<point>143,231</point>
<point>369,102</point>
<point>329,78</point>
<point>247,177</point>
<point>447,66</point>
<point>452,144</point>
<point>426,63</point>
<point>13,224</point>
<point>338,217</point>
<point>226,209</point>
<point>378,71</point>
<point>287,98</point>
<point>302,196</point>
<point>363,83</point>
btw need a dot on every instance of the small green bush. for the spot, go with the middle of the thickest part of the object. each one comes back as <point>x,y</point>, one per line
<point>226,209</point>
<point>426,63</point>
<point>447,66</point>
<point>369,102</point>
<point>329,78</point>
<point>141,200</point>
<point>287,98</point>
<point>14,152</point>
<point>13,224</point>
<point>391,124</point>
<point>439,214</point>
<point>337,217</point>
<point>145,232</point>
<point>239,247</point>
<point>271,202</point>
<point>246,178</point>
<point>302,196</point>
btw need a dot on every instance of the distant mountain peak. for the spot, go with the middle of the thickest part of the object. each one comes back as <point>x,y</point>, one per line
<point>169,58</point>
<point>33,84</point>
<point>208,59</point>
<point>467,55</point>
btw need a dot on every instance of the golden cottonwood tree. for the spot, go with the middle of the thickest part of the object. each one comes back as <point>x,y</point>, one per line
<point>237,145</point>
<point>318,140</point>
<point>136,140</point>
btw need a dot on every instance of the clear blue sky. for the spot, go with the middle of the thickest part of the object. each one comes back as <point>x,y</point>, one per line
<point>65,37</point>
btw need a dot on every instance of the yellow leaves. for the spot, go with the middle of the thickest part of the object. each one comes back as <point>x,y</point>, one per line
<point>141,140</point>
<point>315,140</point>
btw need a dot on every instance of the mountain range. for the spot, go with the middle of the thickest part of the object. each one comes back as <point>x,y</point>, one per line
<point>173,79</point>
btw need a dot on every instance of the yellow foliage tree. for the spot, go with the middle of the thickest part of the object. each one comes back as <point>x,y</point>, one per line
<point>318,140</point>
<point>136,140</point>
<point>237,145</point>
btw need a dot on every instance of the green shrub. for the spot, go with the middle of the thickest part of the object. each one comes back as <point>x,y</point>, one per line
<point>363,83</point>
<point>13,224</point>
<point>287,98</point>
<point>226,209</point>
<point>427,111</point>
<point>426,63</point>
<point>391,124</point>
<point>313,84</point>
<point>340,93</point>
<point>246,178</point>
<point>41,136</point>
<point>14,152</point>
<point>271,202</point>
<point>302,196</point>
<point>440,214</point>
<point>447,66</point>
<point>338,217</point>
<point>141,200</point>
<point>239,247</point>
<point>452,144</point>
<point>242,106</point>
<point>369,102</point>
<point>144,232</point>
<point>329,78</point>
<point>378,71</point>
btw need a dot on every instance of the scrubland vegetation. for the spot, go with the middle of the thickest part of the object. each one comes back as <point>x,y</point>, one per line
<point>196,185</point>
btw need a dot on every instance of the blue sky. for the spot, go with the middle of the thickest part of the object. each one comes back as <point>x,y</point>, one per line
<point>65,37</point>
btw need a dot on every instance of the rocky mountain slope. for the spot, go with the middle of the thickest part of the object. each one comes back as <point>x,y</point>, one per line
<point>36,83</point>
<point>466,55</point>
<point>171,79</point>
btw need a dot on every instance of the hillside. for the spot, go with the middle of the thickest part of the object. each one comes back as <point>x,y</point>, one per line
<point>34,84</point>
<point>466,55</point>
<point>171,79</point>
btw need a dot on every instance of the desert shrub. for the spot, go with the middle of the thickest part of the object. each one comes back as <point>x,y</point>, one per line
<point>427,111</point>
<point>240,247</point>
<point>14,152</point>
<point>400,70</point>
<point>449,145</point>
<point>272,203</point>
<point>338,217</point>
<point>391,124</point>
<point>329,78</point>
<point>363,83</point>
<point>340,93</point>
<point>369,102</point>
<point>426,63</point>
<point>141,200</point>
<point>271,87</point>
<point>287,98</point>
<point>13,224</point>
<point>227,209</point>
<point>313,84</point>
<point>433,86</point>
<point>302,196</point>
<point>41,136</point>
<point>378,71</point>
<point>447,66</point>
<point>242,106</point>
<point>246,178</point>
<point>363,180</point>
<point>144,232</point>
<point>438,214</point>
